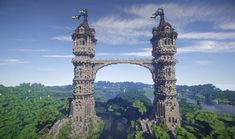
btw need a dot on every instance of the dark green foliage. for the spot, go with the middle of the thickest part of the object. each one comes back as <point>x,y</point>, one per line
<point>136,135</point>
<point>48,116</point>
<point>28,110</point>
<point>208,93</point>
<point>207,124</point>
<point>160,132</point>
<point>131,105</point>
<point>99,129</point>
<point>187,107</point>
<point>182,133</point>
<point>133,95</point>
<point>65,130</point>
<point>140,106</point>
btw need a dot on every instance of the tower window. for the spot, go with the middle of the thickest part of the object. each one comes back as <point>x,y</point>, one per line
<point>81,30</point>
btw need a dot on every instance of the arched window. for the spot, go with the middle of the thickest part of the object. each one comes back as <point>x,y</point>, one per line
<point>80,89</point>
<point>83,42</point>
<point>81,30</point>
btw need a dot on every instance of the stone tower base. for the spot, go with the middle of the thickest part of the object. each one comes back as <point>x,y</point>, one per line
<point>93,127</point>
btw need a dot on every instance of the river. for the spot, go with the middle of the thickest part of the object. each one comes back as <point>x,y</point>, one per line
<point>217,108</point>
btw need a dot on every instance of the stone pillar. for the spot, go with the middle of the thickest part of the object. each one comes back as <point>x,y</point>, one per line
<point>166,107</point>
<point>83,113</point>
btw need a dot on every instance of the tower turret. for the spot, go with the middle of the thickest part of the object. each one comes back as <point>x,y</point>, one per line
<point>83,113</point>
<point>166,107</point>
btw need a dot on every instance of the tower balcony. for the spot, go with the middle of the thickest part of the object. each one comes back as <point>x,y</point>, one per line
<point>84,50</point>
<point>165,59</point>
<point>82,60</point>
<point>166,49</point>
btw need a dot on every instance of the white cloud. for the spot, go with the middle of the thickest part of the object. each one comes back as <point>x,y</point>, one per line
<point>59,56</point>
<point>145,52</point>
<point>115,30</point>
<point>203,62</point>
<point>180,15</point>
<point>207,35</point>
<point>209,47</point>
<point>205,46</point>
<point>141,54</point>
<point>32,50</point>
<point>11,61</point>
<point>62,38</point>
<point>228,26</point>
<point>71,56</point>
<point>134,25</point>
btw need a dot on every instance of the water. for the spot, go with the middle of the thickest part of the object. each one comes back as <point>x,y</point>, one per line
<point>115,127</point>
<point>217,108</point>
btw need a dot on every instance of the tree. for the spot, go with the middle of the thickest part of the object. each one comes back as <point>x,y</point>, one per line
<point>160,133</point>
<point>29,132</point>
<point>181,133</point>
<point>140,106</point>
<point>47,116</point>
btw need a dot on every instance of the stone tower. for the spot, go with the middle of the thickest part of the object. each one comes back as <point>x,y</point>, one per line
<point>83,113</point>
<point>162,66</point>
<point>166,107</point>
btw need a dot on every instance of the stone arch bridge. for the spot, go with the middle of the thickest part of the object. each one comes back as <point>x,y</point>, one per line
<point>146,63</point>
<point>162,67</point>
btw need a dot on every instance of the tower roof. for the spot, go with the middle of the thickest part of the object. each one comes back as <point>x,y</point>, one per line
<point>83,30</point>
<point>164,29</point>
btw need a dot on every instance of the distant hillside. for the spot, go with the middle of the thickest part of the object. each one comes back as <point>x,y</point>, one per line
<point>29,110</point>
<point>105,90</point>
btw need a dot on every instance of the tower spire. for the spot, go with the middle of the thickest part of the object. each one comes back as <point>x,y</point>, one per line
<point>166,106</point>
<point>83,115</point>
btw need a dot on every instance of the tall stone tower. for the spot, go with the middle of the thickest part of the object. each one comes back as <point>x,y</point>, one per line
<point>166,107</point>
<point>83,113</point>
<point>162,66</point>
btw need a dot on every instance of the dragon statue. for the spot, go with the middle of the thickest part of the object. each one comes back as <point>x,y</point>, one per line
<point>82,12</point>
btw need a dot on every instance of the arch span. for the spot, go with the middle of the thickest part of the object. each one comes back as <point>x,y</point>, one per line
<point>146,63</point>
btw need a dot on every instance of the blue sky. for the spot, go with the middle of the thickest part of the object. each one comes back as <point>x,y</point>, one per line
<point>36,45</point>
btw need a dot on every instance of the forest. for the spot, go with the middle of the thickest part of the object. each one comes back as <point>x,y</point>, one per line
<point>28,111</point>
